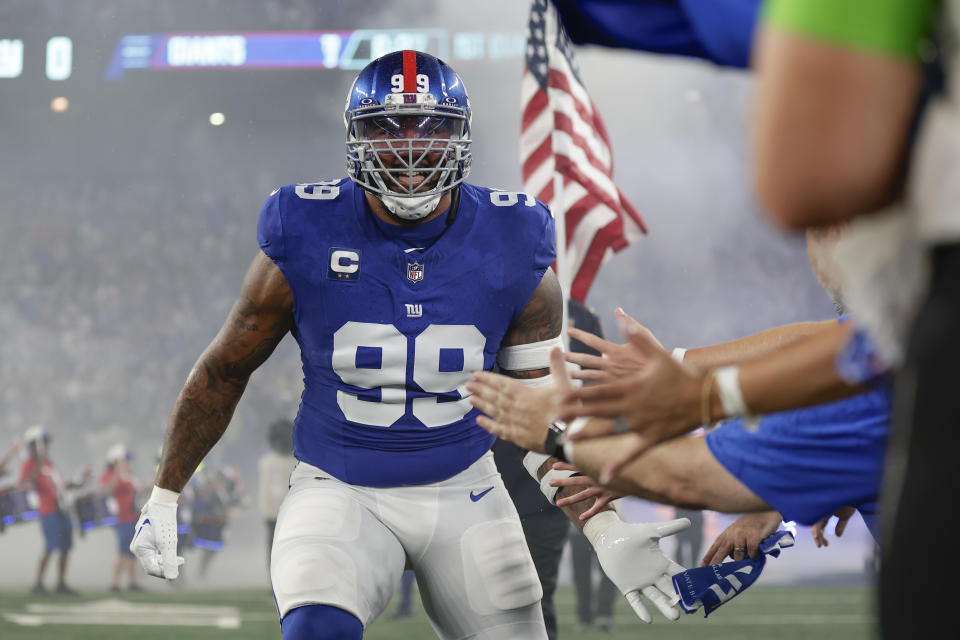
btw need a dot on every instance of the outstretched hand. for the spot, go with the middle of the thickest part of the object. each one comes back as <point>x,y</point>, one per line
<point>591,490</point>
<point>743,537</point>
<point>659,402</point>
<point>515,411</point>
<point>616,360</point>
<point>630,555</point>
<point>818,532</point>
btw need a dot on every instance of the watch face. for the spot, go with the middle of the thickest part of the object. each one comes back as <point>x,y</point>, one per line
<point>552,445</point>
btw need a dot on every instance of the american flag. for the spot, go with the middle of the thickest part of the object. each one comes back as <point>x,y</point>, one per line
<point>563,135</point>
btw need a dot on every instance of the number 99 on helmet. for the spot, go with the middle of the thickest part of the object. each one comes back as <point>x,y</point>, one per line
<point>408,131</point>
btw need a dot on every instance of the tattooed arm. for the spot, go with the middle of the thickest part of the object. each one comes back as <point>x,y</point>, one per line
<point>261,316</point>
<point>540,320</point>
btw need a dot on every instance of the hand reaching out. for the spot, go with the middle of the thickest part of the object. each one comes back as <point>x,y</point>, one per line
<point>591,490</point>
<point>743,537</point>
<point>630,555</point>
<point>659,402</point>
<point>515,411</point>
<point>617,360</point>
<point>843,516</point>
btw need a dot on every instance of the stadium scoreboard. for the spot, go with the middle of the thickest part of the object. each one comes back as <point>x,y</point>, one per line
<point>351,49</point>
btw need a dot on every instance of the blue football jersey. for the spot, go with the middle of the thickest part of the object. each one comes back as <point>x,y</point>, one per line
<point>389,333</point>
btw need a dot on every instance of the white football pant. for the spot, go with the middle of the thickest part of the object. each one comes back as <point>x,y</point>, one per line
<point>346,546</point>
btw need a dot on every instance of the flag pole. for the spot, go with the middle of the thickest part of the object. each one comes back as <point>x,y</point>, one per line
<point>557,206</point>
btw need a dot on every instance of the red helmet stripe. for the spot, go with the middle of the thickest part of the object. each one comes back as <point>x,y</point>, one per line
<point>409,71</point>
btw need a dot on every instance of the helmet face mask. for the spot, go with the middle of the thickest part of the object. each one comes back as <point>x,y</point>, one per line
<point>408,148</point>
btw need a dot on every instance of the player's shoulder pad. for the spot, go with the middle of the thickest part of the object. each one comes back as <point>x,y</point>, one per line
<point>289,205</point>
<point>520,222</point>
<point>293,197</point>
<point>514,207</point>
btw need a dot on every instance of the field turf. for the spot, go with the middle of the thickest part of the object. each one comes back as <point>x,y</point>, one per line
<point>765,613</point>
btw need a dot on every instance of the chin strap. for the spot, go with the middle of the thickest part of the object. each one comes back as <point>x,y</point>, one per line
<point>411,207</point>
<point>454,205</point>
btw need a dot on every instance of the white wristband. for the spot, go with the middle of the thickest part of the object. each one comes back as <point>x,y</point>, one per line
<point>678,353</point>
<point>598,524</point>
<point>728,387</point>
<point>164,496</point>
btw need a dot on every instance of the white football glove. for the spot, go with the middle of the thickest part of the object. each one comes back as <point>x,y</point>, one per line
<point>630,555</point>
<point>155,538</point>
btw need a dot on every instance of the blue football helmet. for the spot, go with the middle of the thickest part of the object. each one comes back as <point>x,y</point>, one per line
<point>408,131</point>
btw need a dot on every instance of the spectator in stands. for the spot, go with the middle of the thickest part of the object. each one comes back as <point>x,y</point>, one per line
<point>39,474</point>
<point>117,481</point>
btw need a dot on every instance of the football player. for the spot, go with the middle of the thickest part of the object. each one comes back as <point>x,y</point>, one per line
<point>397,283</point>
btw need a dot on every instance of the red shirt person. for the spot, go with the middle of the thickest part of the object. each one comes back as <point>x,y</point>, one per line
<point>117,481</point>
<point>39,474</point>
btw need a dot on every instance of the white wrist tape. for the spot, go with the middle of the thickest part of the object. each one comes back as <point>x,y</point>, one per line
<point>532,463</point>
<point>598,524</point>
<point>550,493</point>
<point>525,357</point>
<point>728,387</point>
<point>542,381</point>
<point>164,496</point>
<point>573,427</point>
<point>678,353</point>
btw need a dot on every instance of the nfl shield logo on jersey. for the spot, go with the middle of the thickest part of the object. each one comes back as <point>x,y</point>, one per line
<point>414,271</point>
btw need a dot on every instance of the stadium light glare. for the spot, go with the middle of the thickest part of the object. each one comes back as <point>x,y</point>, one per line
<point>59,104</point>
<point>217,119</point>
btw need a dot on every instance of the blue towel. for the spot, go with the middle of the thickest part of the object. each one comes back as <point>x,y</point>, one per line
<point>712,586</point>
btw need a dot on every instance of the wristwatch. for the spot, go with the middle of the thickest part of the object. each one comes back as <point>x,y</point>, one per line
<point>552,445</point>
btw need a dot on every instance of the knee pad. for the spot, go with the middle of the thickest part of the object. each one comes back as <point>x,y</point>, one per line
<point>308,562</point>
<point>320,622</point>
<point>331,550</point>
<point>499,571</point>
